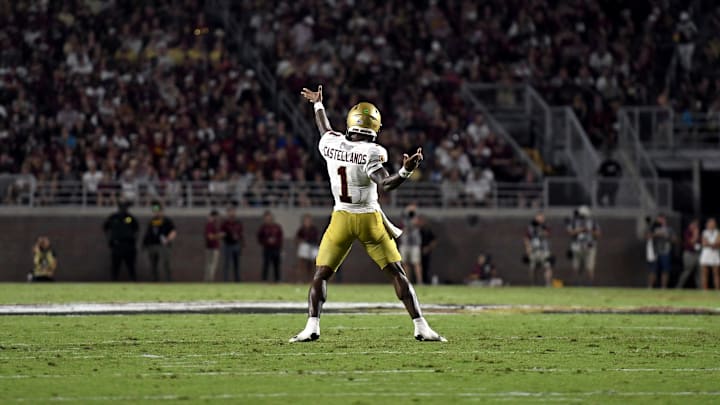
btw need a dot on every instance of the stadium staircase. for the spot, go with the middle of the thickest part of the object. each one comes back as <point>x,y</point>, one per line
<point>499,128</point>
<point>681,149</point>
<point>519,112</point>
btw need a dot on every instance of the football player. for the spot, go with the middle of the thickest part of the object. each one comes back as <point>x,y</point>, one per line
<point>355,165</point>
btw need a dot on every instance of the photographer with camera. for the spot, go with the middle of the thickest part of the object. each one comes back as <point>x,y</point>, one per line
<point>44,261</point>
<point>584,231</point>
<point>691,254</point>
<point>537,249</point>
<point>411,243</point>
<point>661,237</point>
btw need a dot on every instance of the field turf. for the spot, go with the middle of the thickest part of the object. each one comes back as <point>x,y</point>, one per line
<point>503,355</point>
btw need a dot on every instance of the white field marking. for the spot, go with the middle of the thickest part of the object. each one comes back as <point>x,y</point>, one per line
<point>24,376</point>
<point>288,307</point>
<point>237,354</point>
<point>287,373</point>
<point>80,346</point>
<point>343,327</point>
<point>232,373</point>
<point>599,337</point>
<point>360,372</point>
<point>350,353</point>
<point>194,306</point>
<point>513,394</point>
<point>630,370</point>
<point>651,327</point>
<point>187,363</point>
<point>151,356</point>
<point>62,358</point>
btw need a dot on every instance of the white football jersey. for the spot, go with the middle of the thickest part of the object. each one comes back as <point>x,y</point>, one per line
<point>350,165</point>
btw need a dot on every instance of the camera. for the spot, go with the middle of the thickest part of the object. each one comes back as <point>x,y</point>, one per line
<point>410,211</point>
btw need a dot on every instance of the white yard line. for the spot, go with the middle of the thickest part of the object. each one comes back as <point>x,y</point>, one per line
<point>230,373</point>
<point>295,354</point>
<point>315,395</point>
<point>629,370</point>
<point>653,327</point>
<point>88,346</point>
<point>710,370</point>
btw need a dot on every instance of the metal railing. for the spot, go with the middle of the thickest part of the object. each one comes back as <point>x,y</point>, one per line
<point>541,121</point>
<point>637,162</point>
<point>630,143</point>
<point>662,129</point>
<point>696,130</point>
<point>554,131</point>
<point>579,151</point>
<point>24,190</point>
<point>468,93</point>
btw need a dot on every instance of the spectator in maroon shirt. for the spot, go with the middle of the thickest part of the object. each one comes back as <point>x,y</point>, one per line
<point>270,237</point>
<point>233,242</point>
<point>307,239</point>
<point>213,234</point>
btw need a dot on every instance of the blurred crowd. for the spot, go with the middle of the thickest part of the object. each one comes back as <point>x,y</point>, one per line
<point>132,98</point>
<point>412,56</point>
<point>125,93</point>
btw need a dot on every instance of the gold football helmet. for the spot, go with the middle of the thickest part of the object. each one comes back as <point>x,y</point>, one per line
<point>364,118</point>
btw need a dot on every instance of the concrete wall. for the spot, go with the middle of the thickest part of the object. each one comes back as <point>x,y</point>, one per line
<point>84,256</point>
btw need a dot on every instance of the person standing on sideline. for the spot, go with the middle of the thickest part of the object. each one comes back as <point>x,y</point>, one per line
<point>270,237</point>
<point>537,249</point>
<point>307,239</point>
<point>44,261</point>
<point>584,231</point>
<point>213,235</point>
<point>691,254</point>
<point>663,238</point>
<point>427,245</point>
<point>710,255</point>
<point>233,243</point>
<point>158,240</point>
<point>121,230</point>
<point>411,243</point>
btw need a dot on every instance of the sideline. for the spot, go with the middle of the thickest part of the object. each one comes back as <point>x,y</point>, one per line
<point>283,307</point>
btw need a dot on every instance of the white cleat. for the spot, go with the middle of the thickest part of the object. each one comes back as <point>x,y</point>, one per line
<point>432,337</point>
<point>305,336</point>
<point>426,334</point>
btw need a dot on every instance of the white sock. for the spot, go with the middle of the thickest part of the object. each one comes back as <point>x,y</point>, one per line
<point>313,324</point>
<point>420,323</point>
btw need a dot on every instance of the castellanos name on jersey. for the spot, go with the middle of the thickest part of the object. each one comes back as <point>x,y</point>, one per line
<point>350,165</point>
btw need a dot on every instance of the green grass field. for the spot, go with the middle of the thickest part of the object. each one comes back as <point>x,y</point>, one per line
<point>492,356</point>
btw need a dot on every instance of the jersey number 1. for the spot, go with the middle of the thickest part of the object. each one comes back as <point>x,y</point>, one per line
<point>344,197</point>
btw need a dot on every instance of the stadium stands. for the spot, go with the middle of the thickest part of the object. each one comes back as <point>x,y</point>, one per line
<point>149,93</point>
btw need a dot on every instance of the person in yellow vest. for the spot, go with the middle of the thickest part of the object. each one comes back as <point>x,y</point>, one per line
<point>44,261</point>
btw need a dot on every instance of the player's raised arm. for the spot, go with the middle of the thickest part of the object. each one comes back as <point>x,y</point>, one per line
<point>390,182</point>
<point>321,118</point>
